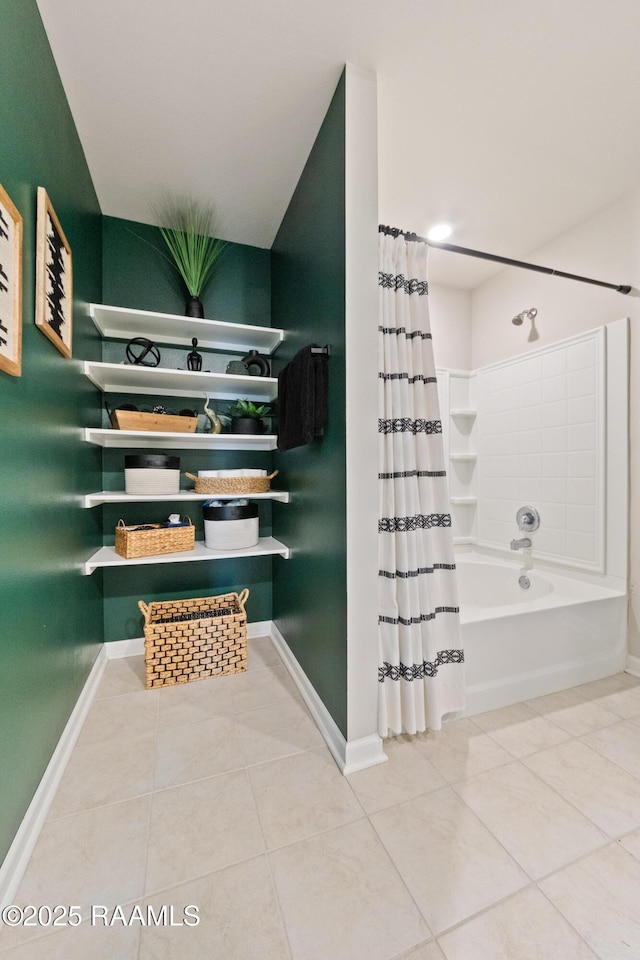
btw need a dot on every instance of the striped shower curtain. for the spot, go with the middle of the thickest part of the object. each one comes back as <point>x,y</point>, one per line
<point>421,671</point>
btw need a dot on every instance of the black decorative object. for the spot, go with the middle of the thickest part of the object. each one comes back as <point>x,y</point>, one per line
<point>257,364</point>
<point>237,367</point>
<point>194,308</point>
<point>142,352</point>
<point>194,359</point>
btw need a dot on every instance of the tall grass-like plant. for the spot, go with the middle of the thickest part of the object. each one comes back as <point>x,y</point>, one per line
<point>187,231</point>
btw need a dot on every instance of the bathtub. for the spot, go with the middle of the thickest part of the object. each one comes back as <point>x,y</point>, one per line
<point>523,643</point>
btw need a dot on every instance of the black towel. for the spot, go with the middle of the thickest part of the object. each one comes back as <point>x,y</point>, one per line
<point>302,399</point>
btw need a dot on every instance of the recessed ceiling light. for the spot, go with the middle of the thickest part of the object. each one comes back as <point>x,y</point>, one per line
<point>440,232</point>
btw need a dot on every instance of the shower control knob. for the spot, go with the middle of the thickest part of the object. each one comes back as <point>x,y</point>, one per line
<point>528,519</point>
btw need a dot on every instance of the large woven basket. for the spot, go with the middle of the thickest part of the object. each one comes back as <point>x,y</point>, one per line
<point>238,485</point>
<point>148,539</point>
<point>194,639</point>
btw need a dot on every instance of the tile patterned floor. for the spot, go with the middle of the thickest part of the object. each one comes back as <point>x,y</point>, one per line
<point>514,835</point>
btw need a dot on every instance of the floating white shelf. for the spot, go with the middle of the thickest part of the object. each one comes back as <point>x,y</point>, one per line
<point>463,501</point>
<point>462,413</point>
<point>132,378</point>
<point>107,556</point>
<point>119,496</point>
<point>463,457</point>
<point>178,441</point>
<point>121,323</point>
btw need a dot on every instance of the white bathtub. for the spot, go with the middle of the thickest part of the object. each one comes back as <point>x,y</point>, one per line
<point>520,643</point>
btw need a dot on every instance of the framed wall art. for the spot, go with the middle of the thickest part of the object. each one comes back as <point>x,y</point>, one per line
<point>54,281</point>
<point>10,286</point>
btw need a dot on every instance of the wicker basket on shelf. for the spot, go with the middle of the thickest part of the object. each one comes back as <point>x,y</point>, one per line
<point>234,485</point>
<point>194,639</point>
<point>148,539</point>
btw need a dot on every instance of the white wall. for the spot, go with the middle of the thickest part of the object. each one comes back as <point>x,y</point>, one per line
<point>606,247</point>
<point>450,314</point>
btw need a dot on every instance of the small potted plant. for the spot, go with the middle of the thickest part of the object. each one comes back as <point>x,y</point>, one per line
<point>246,417</point>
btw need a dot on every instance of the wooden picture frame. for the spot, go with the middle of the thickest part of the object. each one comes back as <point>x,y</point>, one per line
<point>10,286</point>
<point>54,278</point>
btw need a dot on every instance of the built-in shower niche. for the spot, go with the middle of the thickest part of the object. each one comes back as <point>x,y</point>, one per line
<point>458,408</point>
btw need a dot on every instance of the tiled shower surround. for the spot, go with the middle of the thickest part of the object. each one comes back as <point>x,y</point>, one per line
<point>540,441</point>
<point>537,438</point>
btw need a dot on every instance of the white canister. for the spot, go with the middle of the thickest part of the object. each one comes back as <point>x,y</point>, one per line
<point>151,473</point>
<point>230,526</point>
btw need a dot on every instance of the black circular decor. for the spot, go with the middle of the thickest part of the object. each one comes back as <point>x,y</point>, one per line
<point>142,352</point>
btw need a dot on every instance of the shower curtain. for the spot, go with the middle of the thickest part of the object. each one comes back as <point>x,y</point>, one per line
<point>421,665</point>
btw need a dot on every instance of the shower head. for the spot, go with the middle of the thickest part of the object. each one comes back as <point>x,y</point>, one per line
<point>529,314</point>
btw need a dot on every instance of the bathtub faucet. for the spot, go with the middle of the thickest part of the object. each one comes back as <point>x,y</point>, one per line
<point>521,544</point>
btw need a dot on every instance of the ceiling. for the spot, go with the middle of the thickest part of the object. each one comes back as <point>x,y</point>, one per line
<point>515,120</point>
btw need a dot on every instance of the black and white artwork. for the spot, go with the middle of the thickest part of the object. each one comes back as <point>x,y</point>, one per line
<point>10,286</point>
<point>54,298</point>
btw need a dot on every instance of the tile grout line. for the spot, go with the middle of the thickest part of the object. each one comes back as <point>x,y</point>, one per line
<point>606,841</point>
<point>566,920</point>
<point>268,861</point>
<point>533,882</point>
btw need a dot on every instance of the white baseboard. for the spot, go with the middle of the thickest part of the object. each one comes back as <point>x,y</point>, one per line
<point>134,647</point>
<point>116,649</point>
<point>363,753</point>
<point>350,756</point>
<point>633,666</point>
<point>20,851</point>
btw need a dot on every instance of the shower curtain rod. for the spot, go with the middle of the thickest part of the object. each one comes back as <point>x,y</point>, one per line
<point>452,248</point>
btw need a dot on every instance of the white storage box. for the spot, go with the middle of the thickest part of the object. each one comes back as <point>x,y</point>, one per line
<point>231,525</point>
<point>151,473</point>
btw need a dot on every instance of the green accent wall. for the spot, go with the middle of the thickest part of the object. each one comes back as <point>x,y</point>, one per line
<point>50,615</point>
<point>308,301</point>
<point>136,275</point>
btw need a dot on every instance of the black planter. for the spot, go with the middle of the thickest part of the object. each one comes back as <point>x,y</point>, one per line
<point>194,308</point>
<point>246,425</point>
